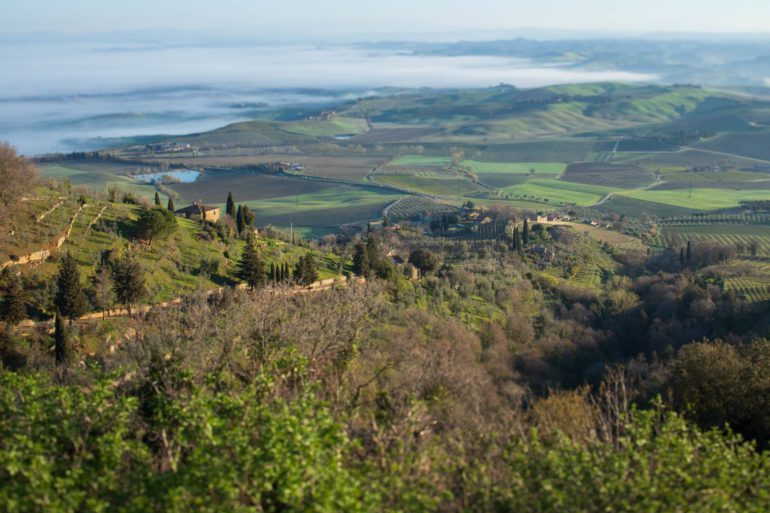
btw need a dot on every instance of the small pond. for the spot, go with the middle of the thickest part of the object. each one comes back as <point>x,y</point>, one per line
<point>171,176</point>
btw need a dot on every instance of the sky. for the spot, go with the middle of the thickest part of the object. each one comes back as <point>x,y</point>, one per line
<point>327,18</point>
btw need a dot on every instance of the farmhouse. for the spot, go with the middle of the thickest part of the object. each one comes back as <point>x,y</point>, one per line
<point>199,211</point>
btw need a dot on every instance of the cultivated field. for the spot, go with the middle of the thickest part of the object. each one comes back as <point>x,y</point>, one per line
<point>697,198</point>
<point>608,175</point>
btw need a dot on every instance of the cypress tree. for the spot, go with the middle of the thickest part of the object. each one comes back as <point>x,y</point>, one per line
<point>361,264</point>
<point>515,238</point>
<point>170,204</point>
<point>230,208</point>
<point>688,256</point>
<point>251,268</point>
<point>157,200</point>
<point>273,277</point>
<point>12,308</point>
<point>286,276</point>
<point>681,257</point>
<point>60,340</point>
<point>248,218</point>
<point>70,299</point>
<point>239,223</point>
<point>525,233</point>
<point>128,281</point>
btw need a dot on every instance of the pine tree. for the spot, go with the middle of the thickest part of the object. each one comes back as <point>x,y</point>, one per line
<point>128,281</point>
<point>12,308</point>
<point>170,204</point>
<point>70,299</point>
<point>525,233</point>
<point>251,268</point>
<point>60,348</point>
<point>230,208</point>
<point>157,200</point>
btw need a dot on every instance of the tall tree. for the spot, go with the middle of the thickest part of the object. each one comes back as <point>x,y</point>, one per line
<point>157,200</point>
<point>688,254</point>
<point>306,270</point>
<point>361,264</point>
<point>170,205</point>
<point>525,233</point>
<point>230,208</point>
<point>60,348</point>
<point>12,308</point>
<point>251,268</point>
<point>248,218</point>
<point>128,281</point>
<point>70,299</point>
<point>285,273</point>
<point>240,224</point>
<point>681,257</point>
<point>516,239</point>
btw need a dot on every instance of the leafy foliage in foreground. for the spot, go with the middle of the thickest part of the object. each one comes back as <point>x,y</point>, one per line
<point>72,448</point>
<point>65,448</point>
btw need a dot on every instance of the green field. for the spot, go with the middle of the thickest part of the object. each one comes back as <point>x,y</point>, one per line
<point>449,186</point>
<point>335,126</point>
<point>558,191</point>
<point>515,167</point>
<point>697,199</point>
<point>421,160</point>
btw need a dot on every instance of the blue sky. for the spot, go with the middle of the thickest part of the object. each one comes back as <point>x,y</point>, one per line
<point>382,17</point>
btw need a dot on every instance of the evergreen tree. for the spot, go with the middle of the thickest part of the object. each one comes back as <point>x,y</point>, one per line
<point>170,205</point>
<point>128,281</point>
<point>516,239</point>
<point>60,348</point>
<point>12,308</point>
<point>157,200</point>
<point>681,257</point>
<point>306,271</point>
<point>273,276</point>
<point>688,255</point>
<point>286,276</point>
<point>240,224</point>
<point>525,233</point>
<point>361,264</point>
<point>251,268</point>
<point>155,223</point>
<point>230,208</point>
<point>70,299</point>
<point>248,218</point>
